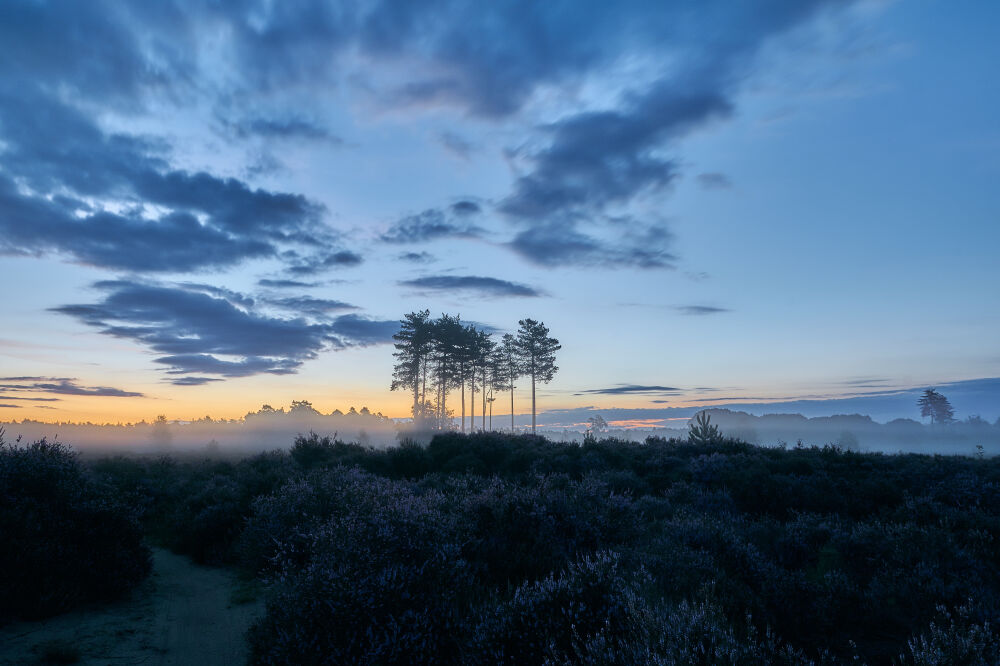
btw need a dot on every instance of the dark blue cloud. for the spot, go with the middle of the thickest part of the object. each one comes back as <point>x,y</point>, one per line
<point>193,381</point>
<point>416,257</point>
<point>554,244</point>
<point>60,386</point>
<point>118,200</point>
<point>700,310</point>
<point>286,284</point>
<point>320,264</point>
<point>434,224</point>
<point>200,332</point>
<point>363,331</point>
<point>484,286</point>
<point>174,220</point>
<point>633,389</point>
<point>290,127</point>
<point>316,307</point>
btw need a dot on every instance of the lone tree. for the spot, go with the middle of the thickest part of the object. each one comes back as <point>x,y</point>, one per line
<point>538,355</point>
<point>936,406</point>
<point>701,431</point>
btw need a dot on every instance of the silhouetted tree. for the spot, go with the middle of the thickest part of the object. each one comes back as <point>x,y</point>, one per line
<point>510,358</point>
<point>936,406</point>
<point>162,437</point>
<point>413,342</point>
<point>702,431</point>
<point>482,350</point>
<point>447,336</point>
<point>538,356</point>
<point>597,424</point>
<point>500,373</point>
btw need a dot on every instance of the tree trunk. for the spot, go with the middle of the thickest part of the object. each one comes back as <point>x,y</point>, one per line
<point>472,402</point>
<point>416,393</point>
<point>463,399</point>
<point>512,408</point>
<point>532,401</point>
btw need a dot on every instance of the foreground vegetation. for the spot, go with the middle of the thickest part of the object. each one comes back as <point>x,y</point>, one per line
<point>499,549</point>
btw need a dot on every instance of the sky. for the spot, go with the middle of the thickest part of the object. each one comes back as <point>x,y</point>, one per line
<point>207,206</point>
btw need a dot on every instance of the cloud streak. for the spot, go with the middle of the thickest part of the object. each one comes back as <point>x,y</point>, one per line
<point>484,286</point>
<point>59,386</point>
<point>632,389</point>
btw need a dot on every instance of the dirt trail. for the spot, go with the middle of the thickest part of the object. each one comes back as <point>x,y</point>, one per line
<point>183,614</point>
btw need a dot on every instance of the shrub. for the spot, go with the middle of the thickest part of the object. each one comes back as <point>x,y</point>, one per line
<point>66,540</point>
<point>954,639</point>
<point>380,582</point>
<point>561,614</point>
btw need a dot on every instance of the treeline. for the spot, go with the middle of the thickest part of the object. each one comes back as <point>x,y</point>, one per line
<point>437,356</point>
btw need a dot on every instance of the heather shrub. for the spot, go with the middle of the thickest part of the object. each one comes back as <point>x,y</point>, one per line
<point>518,532</point>
<point>381,581</point>
<point>954,639</point>
<point>562,613</point>
<point>66,540</point>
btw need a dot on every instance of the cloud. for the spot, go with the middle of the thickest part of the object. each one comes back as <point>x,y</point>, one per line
<point>699,310</point>
<point>457,145</point>
<point>14,397</point>
<point>599,158</point>
<point>193,381</point>
<point>485,286</point>
<point>715,181</point>
<point>308,305</point>
<point>416,257</point>
<point>202,333</point>
<point>291,127</point>
<point>285,284</point>
<point>434,224</point>
<point>60,386</point>
<point>319,264</point>
<point>553,244</point>
<point>632,389</point>
<point>139,214</point>
<point>10,406</point>
<point>363,331</point>
<point>75,184</point>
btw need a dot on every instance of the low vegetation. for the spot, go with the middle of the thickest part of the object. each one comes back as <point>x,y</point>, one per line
<point>65,539</point>
<point>495,548</point>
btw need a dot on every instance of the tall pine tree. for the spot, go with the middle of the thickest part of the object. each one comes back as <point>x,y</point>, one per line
<point>538,356</point>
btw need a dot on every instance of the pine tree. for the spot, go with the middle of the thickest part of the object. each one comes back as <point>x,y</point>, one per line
<point>511,359</point>
<point>934,405</point>
<point>538,356</point>
<point>702,431</point>
<point>413,343</point>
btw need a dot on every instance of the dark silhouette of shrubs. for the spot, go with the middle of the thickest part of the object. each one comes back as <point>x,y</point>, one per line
<point>477,548</point>
<point>64,539</point>
<point>380,581</point>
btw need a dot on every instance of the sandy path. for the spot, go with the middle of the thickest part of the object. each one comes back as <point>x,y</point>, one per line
<point>182,615</point>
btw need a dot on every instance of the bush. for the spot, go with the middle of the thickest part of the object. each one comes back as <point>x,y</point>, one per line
<point>66,540</point>
<point>379,582</point>
<point>561,614</point>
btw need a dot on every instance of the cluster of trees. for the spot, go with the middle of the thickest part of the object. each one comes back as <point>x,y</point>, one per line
<point>436,356</point>
<point>936,406</point>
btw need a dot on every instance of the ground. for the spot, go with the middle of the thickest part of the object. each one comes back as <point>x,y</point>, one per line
<point>184,614</point>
